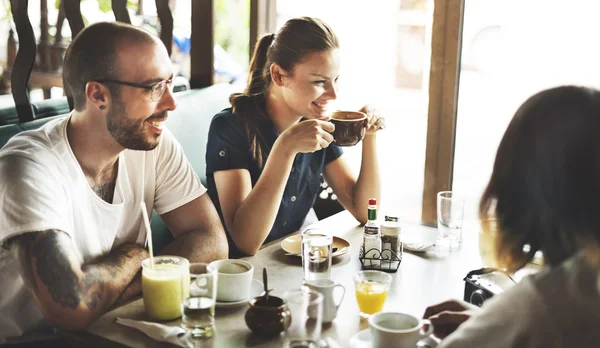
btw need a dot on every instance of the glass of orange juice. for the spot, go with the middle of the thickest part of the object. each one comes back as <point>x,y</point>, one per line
<point>371,291</point>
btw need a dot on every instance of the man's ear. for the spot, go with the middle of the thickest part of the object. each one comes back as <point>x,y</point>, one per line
<point>97,95</point>
<point>277,74</point>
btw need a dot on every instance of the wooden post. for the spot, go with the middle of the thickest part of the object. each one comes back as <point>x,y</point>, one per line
<point>11,48</point>
<point>44,44</point>
<point>44,37</point>
<point>140,9</point>
<point>263,14</point>
<point>21,70</point>
<point>443,100</point>
<point>166,23</point>
<point>119,8</point>
<point>57,49</point>
<point>202,51</point>
<point>73,14</point>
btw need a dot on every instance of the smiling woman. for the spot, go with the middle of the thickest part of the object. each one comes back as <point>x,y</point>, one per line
<point>385,49</point>
<point>266,155</point>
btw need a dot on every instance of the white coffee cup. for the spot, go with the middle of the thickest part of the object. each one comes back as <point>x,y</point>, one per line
<point>234,278</point>
<point>326,288</point>
<point>393,329</point>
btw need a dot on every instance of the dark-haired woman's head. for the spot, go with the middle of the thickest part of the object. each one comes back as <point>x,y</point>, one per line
<point>301,61</point>
<point>544,191</point>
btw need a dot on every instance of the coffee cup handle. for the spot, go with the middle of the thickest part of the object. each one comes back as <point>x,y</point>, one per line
<point>337,306</point>
<point>429,328</point>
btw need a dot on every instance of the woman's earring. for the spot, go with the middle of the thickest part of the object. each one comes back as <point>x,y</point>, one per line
<point>102,107</point>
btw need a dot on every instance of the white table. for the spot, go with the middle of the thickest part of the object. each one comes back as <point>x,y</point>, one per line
<point>421,280</point>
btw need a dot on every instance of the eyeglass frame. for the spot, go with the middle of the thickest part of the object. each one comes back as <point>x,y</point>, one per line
<point>168,82</point>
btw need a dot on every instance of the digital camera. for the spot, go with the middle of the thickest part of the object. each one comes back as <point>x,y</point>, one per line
<point>482,284</point>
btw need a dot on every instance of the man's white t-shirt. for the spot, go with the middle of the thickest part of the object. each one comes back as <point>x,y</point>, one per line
<point>558,307</point>
<point>43,187</point>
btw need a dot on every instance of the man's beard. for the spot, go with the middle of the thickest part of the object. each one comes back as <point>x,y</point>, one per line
<point>130,133</point>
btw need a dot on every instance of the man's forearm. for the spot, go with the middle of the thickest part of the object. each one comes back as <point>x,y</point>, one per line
<point>69,294</point>
<point>131,292</point>
<point>117,276</point>
<point>199,246</point>
<point>193,246</point>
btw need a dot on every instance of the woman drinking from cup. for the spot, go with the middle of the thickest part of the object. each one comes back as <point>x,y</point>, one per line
<point>265,154</point>
<point>544,193</point>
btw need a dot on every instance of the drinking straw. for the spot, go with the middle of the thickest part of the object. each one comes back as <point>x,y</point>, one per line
<point>148,232</point>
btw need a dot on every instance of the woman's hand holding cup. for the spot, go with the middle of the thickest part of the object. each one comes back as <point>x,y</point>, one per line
<point>308,136</point>
<point>375,120</point>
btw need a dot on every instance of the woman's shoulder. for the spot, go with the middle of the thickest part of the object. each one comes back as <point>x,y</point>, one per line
<point>225,121</point>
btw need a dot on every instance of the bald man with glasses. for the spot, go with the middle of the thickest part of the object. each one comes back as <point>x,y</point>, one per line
<point>71,227</point>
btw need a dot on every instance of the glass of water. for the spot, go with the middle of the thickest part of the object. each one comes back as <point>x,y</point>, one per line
<point>306,309</point>
<point>450,211</point>
<point>198,301</point>
<point>316,254</point>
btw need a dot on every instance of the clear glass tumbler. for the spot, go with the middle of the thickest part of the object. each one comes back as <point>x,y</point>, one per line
<point>198,302</point>
<point>450,211</point>
<point>316,254</point>
<point>306,310</point>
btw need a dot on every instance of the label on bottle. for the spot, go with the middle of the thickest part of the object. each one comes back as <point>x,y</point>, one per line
<point>371,229</point>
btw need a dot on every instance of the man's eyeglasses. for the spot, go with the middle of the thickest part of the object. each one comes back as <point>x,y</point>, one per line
<point>157,90</point>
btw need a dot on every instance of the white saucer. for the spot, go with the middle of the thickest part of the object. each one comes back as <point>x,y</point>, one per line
<point>363,339</point>
<point>256,288</point>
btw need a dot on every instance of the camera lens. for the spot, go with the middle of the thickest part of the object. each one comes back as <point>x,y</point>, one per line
<point>478,297</point>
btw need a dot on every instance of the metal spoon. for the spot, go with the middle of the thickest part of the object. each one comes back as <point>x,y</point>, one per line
<point>266,288</point>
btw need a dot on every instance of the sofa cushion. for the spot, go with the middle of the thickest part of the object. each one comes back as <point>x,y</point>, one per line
<point>191,119</point>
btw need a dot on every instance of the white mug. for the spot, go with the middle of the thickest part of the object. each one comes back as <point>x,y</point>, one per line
<point>393,329</point>
<point>326,288</point>
<point>234,278</point>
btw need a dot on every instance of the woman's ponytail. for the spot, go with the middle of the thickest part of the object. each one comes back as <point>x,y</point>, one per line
<point>247,103</point>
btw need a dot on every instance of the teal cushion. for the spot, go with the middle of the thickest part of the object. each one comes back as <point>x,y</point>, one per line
<point>8,115</point>
<point>7,132</point>
<point>190,121</point>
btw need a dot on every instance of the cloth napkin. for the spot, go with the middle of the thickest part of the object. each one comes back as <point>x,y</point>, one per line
<point>159,332</point>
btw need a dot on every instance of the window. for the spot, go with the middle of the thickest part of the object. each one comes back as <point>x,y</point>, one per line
<point>509,53</point>
<point>385,61</point>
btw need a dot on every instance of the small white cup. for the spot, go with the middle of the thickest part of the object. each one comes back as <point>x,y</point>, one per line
<point>393,329</point>
<point>234,279</point>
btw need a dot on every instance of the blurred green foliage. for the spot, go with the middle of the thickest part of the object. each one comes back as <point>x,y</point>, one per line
<point>232,28</point>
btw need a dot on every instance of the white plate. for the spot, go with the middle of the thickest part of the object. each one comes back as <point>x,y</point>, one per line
<point>292,245</point>
<point>256,288</point>
<point>363,340</point>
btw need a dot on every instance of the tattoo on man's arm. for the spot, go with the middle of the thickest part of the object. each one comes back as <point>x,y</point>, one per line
<point>114,265</point>
<point>55,271</point>
<point>21,248</point>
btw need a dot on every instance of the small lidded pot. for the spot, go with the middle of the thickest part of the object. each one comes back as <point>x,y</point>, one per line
<point>267,318</point>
